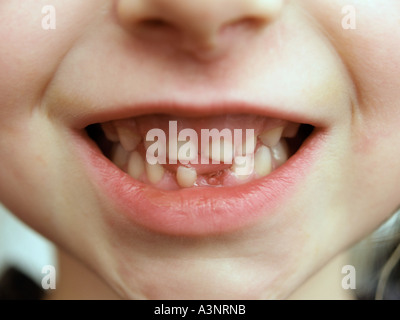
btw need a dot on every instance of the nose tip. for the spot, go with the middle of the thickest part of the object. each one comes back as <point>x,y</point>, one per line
<point>196,26</point>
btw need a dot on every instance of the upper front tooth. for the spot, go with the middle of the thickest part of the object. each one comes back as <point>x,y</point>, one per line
<point>136,165</point>
<point>129,139</point>
<point>271,137</point>
<point>291,130</point>
<point>186,177</point>
<point>110,131</point>
<point>263,161</point>
<point>183,151</point>
<point>119,156</point>
<point>220,152</point>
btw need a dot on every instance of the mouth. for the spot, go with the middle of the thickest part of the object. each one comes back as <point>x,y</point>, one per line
<point>196,174</point>
<point>212,154</point>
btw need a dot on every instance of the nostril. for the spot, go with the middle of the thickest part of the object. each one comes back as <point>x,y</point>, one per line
<point>155,24</point>
<point>251,22</point>
<point>157,29</point>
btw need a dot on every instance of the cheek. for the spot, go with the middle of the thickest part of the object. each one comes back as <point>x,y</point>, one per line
<point>371,54</point>
<point>34,171</point>
<point>376,168</point>
<point>29,54</point>
<point>377,115</point>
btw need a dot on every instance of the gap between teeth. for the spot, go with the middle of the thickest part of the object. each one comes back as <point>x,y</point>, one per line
<point>271,154</point>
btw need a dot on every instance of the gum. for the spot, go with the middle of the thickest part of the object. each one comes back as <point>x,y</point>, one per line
<point>219,175</point>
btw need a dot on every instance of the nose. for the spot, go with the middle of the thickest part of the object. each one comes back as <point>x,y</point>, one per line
<point>200,27</point>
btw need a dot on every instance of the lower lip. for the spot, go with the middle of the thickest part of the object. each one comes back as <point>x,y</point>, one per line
<point>197,211</point>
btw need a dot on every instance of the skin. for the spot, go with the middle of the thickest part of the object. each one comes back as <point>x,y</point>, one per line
<point>345,81</point>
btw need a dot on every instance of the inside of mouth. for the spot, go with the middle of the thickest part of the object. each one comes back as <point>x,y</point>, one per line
<point>172,152</point>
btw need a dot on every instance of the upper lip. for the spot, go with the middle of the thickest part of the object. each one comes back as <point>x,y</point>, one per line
<point>194,110</point>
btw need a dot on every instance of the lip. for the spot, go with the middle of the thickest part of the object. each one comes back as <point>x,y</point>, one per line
<point>194,211</point>
<point>186,109</point>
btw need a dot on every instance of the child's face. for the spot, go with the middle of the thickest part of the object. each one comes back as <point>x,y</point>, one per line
<point>288,60</point>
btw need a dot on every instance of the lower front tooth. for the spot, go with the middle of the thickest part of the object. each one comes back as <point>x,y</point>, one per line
<point>135,165</point>
<point>263,161</point>
<point>280,152</point>
<point>186,177</point>
<point>243,166</point>
<point>119,156</point>
<point>155,172</point>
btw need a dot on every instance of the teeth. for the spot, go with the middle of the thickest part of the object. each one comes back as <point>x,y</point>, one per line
<point>186,177</point>
<point>129,139</point>
<point>220,152</point>
<point>271,138</point>
<point>135,165</point>
<point>263,161</point>
<point>158,147</point>
<point>243,166</point>
<point>155,172</point>
<point>110,132</point>
<point>251,159</point>
<point>184,151</point>
<point>119,156</point>
<point>291,130</point>
<point>280,152</point>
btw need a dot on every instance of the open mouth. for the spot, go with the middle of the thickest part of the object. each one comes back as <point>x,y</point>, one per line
<point>161,172</point>
<point>206,152</point>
